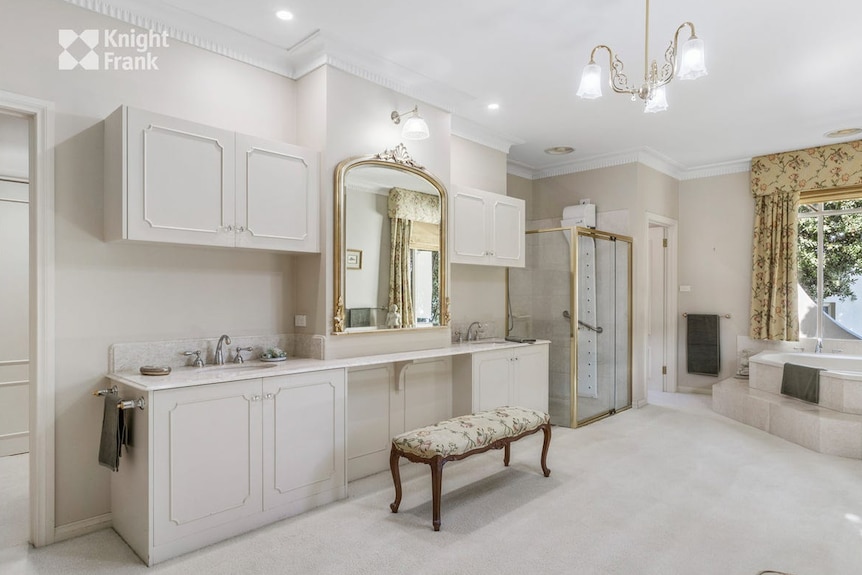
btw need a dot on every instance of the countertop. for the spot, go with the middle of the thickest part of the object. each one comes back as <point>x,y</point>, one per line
<point>252,369</point>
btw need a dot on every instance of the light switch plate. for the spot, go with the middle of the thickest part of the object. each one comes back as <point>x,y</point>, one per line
<point>299,320</point>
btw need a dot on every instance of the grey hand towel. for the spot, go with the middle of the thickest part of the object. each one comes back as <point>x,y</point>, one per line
<point>114,433</point>
<point>703,344</point>
<point>801,382</point>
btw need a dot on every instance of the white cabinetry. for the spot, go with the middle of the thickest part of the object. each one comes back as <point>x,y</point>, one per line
<point>511,376</point>
<point>170,180</point>
<point>389,399</point>
<point>220,459</point>
<point>486,228</point>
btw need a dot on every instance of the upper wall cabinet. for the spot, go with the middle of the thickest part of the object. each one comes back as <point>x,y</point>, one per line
<point>486,228</point>
<point>169,180</point>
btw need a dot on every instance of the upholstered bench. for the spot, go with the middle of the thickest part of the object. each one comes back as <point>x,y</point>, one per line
<point>462,437</point>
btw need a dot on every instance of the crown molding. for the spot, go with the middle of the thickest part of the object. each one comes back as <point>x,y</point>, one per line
<point>645,156</point>
<point>719,169</point>
<point>194,30</point>
<point>520,169</point>
<point>464,128</point>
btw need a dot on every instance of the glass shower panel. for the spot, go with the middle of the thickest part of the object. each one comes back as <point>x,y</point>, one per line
<point>540,304</point>
<point>603,334</point>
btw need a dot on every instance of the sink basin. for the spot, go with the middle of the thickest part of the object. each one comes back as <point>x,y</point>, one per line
<point>486,341</point>
<point>238,367</point>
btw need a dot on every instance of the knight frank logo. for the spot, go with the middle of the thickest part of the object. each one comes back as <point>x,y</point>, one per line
<point>110,49</point>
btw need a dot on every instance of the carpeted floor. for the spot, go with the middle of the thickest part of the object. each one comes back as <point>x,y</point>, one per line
<point>671,488</point>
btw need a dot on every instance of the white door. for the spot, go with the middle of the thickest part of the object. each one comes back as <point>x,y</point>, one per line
<point>303,435</point>
<point>207,457</point>
<point>469,228</point>
<point>277,195</point>
<point>492,379</point>
<point>530,385</point>
<point>657,311</point>
<point>180,178</point>
<point>508,239</point>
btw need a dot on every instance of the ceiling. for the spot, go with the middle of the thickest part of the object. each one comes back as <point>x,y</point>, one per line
<point>781,74</point>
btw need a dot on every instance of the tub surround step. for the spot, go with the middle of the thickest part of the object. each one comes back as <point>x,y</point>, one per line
<point>811,426</point>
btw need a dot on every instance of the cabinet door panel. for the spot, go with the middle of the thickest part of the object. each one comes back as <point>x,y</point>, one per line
<point>469,228</point>
<point>508,232</point>
<point>180,181</point>
<point>371,394</point>
<point>427,392</point>
<point>530,385</point>
<point>277,195</point>
<point>207,457</point>
<point>492,379</point>
<point>303,435</point>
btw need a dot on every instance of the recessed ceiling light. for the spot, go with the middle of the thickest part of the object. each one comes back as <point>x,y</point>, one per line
<point>284,15</point>
<point>559,150</point>
<point>493,106</point>
<point>842,133</point>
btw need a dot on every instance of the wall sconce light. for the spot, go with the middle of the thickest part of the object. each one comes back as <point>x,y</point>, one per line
<point>415,127</point>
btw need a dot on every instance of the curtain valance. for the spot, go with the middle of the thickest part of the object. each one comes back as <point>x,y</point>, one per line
<point>820,168</point>
<point>414,206</point>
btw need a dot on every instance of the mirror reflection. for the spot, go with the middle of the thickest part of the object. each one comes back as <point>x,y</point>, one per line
<point>391,244</point>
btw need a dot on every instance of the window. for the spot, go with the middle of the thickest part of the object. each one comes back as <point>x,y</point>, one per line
<point>829,255</point>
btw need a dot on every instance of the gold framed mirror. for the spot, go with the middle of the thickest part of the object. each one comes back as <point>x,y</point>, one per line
<point>390,253</point>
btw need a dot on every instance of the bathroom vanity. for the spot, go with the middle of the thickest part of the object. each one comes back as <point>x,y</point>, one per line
<point>222,450</point>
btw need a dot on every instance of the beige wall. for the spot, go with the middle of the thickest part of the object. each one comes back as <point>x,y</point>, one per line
<point>116,292</point>
<point>716,229</point>
<point>478,292</point>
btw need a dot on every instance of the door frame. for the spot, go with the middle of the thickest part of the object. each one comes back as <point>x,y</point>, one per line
<point>40,114</point>
<point>671,227</point>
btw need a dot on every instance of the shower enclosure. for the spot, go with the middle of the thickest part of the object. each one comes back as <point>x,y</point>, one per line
<point>576,292</point>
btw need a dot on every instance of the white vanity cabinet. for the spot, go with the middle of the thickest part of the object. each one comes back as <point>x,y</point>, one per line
<point>511,376</point>
<point>389,399</point>
<point>486,228</point>
<point>210,461</point>
<point>174,181</point>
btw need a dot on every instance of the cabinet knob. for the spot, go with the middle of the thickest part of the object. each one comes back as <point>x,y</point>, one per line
<point>240,229</point>
<point>255,398</point>
<point>268,396</point>
<point>228,228</point>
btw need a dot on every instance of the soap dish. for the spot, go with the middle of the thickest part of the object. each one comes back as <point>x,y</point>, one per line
<point>155,370</point>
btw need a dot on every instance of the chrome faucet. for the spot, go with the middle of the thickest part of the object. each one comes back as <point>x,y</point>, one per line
<point>476,333</point>
<point>219,353</point>
<point>818,347</point>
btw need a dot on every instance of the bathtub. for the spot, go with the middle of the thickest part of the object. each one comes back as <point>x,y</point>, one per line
<point>840,383</point>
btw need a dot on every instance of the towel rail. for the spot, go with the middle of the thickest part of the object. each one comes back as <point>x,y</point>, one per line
<point>123,404</point>
<point>727,315</point>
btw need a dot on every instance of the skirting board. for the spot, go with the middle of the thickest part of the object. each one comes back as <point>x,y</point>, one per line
<point>701,390</point>
<point>83,527</point>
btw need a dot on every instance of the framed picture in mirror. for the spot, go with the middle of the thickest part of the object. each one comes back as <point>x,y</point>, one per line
<point>353,259</point>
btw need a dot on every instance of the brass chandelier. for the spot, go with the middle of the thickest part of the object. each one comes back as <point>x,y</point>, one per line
<point>686,63</point>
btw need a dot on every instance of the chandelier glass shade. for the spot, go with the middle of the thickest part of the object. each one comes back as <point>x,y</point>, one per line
<point>685,62</point>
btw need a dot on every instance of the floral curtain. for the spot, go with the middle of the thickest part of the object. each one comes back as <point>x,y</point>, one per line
<point>776,183</point>
<point>400,288</point>
<point>408,209</point>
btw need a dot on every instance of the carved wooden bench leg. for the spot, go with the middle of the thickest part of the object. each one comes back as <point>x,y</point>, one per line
<point>436,488</point>
<point>506,454</point>
<point>394,456</point>
<point>546,429</point>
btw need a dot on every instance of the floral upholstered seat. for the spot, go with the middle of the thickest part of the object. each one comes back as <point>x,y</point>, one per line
<point>459,435</point>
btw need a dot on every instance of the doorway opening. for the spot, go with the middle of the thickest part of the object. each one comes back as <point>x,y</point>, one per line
<point>14,337</point>
<point>661,338</point>
<point>39,118</point>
